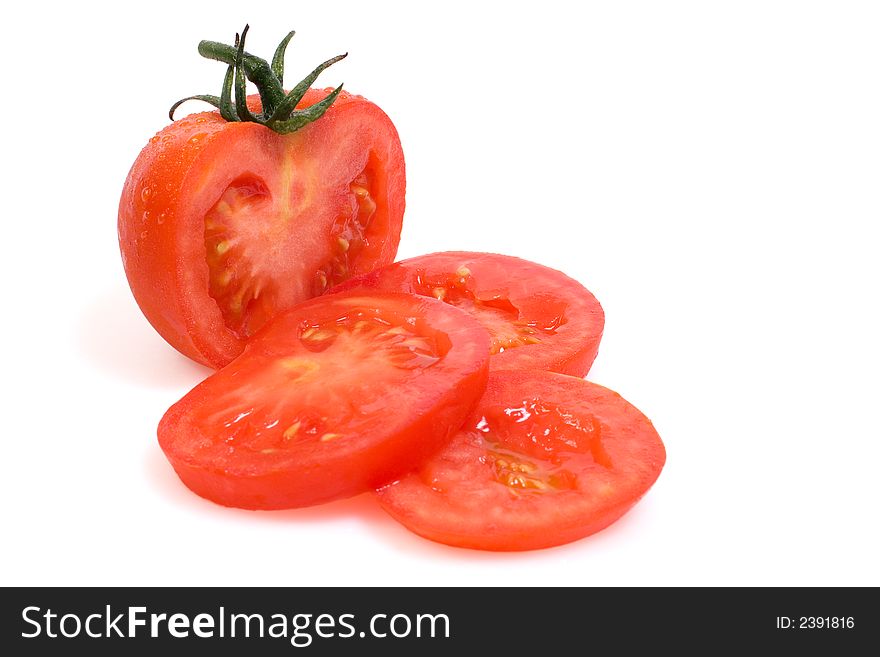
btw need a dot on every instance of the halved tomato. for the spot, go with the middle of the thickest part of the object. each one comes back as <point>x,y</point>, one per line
<point>538,317</point>
<point>337,396</point>
<point>545,459</point>
<point>223,225</point>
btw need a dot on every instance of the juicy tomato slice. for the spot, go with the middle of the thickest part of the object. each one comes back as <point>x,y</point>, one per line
<point>543,460</point>
<point>223,225</point>
<point>538,317</point>
<point>334,397</point>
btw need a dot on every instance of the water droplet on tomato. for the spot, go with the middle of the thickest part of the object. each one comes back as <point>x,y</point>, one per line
<point>154,139</point>
<point>143,234</point>
<point>146,216</point>
<point>161,218</point>
<point>145,194</point>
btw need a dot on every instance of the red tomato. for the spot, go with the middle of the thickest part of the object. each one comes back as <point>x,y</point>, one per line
<point>224,225</point>
<point>538,318</point>
<point>545,459</point>
<point>337,396</point>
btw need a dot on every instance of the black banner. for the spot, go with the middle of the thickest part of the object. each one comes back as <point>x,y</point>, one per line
<point>433,621</point>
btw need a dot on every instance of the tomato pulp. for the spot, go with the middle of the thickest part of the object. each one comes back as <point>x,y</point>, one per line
<point>334,397</point>
<point>543,460</point>
<point>538,317</point>
<point>224,225</point>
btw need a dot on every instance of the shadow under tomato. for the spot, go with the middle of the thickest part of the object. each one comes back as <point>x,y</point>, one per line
<point>167,484</point>
<point>115,337</point>
<point>408,543</point>
<point>365,510</point>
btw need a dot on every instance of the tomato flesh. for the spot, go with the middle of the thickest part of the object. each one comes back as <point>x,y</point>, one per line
<point>254,255</point>
<point>224,225</point>
<point>543,460</point>
<point>334,397</point>
<point>537,317</point>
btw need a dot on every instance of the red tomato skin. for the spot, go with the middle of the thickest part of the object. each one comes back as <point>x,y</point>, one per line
<point>530,533</point>
<point>161,235</point>
<point>508,272</point>
<point>334,475</point>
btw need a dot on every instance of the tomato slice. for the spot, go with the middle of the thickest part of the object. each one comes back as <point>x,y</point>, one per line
<point>543,460</point>
<point>334,397</point>
<point>223,225</point>
<point>538,317</point>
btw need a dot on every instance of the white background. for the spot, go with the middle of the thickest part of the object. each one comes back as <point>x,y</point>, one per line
<point>709,170</point>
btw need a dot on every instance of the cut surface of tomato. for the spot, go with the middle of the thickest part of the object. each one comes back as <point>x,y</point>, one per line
<point>538,317</point>
<point>334,397</point>
<point>543,460</point>
<point>224,225</point>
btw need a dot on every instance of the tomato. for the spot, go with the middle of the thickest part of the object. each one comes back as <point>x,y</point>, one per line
<point>223,225</point>
<point>538,317</point>
<point>334,397</point>
<point>544,459</point>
